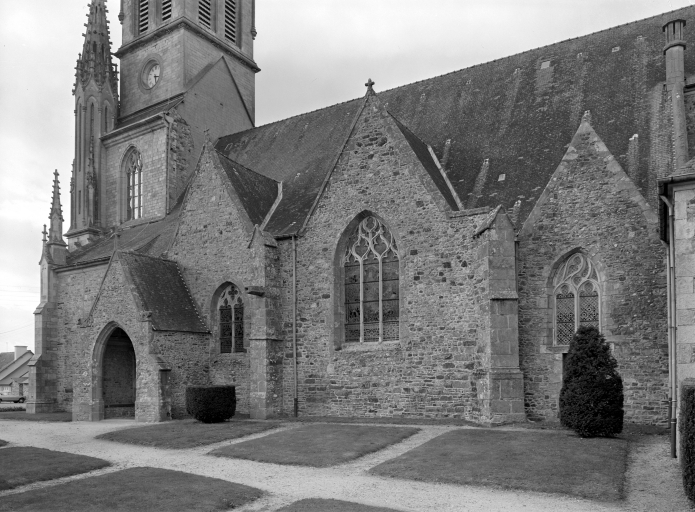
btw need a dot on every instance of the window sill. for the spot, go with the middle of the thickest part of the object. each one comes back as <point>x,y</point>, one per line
<point>370,346</point>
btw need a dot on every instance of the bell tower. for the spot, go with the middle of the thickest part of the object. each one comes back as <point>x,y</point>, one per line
<point>168,44</point>
<point>96,105</point>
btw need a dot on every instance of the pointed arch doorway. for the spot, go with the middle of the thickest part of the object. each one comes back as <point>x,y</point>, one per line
<point>118,372</point>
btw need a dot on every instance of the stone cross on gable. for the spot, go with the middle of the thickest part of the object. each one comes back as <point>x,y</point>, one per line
<point>370,86</point>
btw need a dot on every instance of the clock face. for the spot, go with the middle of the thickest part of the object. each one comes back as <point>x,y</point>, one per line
<point>153,76</point>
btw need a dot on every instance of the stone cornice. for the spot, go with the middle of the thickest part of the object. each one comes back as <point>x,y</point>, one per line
<point>135,129</point>
<point>186,24</point>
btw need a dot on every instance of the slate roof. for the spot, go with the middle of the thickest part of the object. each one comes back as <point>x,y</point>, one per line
<point>152,238</point>
<point>6,358</point>
<point>161,290</point>
<point>299,151</point>
<point>515,112</point>
<point>256,192</point>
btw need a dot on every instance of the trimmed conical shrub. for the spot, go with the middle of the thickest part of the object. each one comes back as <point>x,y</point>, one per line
<point>591,400</point>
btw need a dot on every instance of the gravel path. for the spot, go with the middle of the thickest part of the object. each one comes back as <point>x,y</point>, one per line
<point>653,478</point>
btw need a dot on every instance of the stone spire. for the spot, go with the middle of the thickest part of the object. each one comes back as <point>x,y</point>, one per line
<point>95,59</point>
<point>55,232</point>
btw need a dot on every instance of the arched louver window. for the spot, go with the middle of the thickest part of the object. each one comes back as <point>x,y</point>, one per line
<point>576,295</point>
<point>230,20</point>
<point>205,13</point>
<point>231,320</point>
<point>372,308</point>
<point>143,15</point>
<point>133,169</point>
<point>166,10</point>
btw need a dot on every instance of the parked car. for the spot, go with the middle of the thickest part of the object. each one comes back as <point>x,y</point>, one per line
<point>11,398</point>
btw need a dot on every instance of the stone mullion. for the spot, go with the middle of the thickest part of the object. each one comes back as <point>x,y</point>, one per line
<point>381,305</point>
<point>361,300</point>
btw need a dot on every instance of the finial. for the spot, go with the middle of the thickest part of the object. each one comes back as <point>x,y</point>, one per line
<point>45,234</point>
<point>586,118</point>
<point>370,86</point>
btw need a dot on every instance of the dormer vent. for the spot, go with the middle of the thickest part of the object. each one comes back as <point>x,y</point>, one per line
<point>545,64</point>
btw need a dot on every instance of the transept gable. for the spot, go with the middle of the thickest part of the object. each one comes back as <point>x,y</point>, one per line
<point>589,173</point>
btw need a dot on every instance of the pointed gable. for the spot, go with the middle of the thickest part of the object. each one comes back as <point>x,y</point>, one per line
<point>300,152</point>
<point>161,293</point>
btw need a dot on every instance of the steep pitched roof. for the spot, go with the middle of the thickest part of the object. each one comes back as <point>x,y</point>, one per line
<point>300,152</point>
<point>256,192</point>
<point>6,358</point>
<point>519,113</point>
<point>161,290</point>
<point>16,368</point>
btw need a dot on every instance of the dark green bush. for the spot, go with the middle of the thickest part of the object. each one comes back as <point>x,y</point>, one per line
<point>211,404</point>
<point>686,425</point>
<point>591,400</point>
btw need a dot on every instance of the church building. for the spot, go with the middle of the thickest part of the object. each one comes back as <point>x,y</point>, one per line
<point>421,252</point>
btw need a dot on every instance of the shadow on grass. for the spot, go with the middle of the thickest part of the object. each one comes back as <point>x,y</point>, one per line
<point>136,489</point>
<point>533,461</point>
<point>317,445</point>
<point>23,416</point>
<point>181,434</point>
<point>25,465</point>
<point>2,443</point>
<point>319,505</point>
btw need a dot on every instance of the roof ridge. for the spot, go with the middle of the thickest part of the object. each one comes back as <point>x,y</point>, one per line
<point>291,117</point>
<point>508,57</point>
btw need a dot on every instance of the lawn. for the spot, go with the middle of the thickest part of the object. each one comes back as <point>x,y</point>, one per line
<point>25,465</point>
<point>319,505</point>
<point>46,416</point>
<point>317,445</point>
<point>180,434</point>
<point>135,489</point>
<point>533,461</point>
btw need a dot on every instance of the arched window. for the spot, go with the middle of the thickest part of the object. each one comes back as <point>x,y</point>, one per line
<point>576,293</point>
<point>231,320</point>
<point>133,170</point>
<point>371,284</point>
<point>106,118</point>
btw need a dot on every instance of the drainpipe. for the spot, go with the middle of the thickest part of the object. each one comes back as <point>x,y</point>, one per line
<point>294,323</point>
<point>672,328</point>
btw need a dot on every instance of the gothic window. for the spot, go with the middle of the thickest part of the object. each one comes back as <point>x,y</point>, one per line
<point>166,10</point>
<point>134,182</point>
<point>143,15</point>
<point>231,320</point>
<point>230,20</point>
<point>576,294</point>
<point>371,284</point>
<point>205,13</point>
<point>106,118</point>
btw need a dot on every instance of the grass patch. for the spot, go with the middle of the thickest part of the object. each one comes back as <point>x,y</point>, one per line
<point>135,489</point>
<point>319,505</point>
<point>180,434</point>
<point>13,409</point>
<point>532,461</point>
<point>25,465</point>
<point>317,445</point>
<point>396,420</point>
<point>21,415</point>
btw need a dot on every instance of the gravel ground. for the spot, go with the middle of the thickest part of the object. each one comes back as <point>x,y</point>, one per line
<point>653,484</point>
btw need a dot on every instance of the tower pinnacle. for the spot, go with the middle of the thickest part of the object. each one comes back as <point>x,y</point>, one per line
<point>55,232</point>
<point>95,59</point>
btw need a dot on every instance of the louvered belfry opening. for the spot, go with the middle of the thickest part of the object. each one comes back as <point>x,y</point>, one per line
<point>166,10</point>
<point>205,13</point>
<point>143,16</point>
<point>230,21</point>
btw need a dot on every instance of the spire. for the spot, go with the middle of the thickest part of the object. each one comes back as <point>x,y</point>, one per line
<point>95,59</point>
<point>55,232</point>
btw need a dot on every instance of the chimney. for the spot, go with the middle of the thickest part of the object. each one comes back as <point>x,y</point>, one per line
<point>19,350</point>
<point>675,79</point>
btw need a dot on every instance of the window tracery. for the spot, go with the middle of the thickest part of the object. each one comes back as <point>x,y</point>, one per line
<point>231,320</point>
<point>133,169</point>
<point>576,293</point>
<point>370,263</point>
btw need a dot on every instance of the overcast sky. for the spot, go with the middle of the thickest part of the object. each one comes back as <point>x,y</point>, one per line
<point>312,53</point>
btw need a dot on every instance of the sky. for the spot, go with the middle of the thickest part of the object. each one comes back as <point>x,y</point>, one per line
<point>312,53</point>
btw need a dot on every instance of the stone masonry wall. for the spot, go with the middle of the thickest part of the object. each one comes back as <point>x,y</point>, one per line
<point>592,205</point>
<point>211,248</point>
<point>430,371</point>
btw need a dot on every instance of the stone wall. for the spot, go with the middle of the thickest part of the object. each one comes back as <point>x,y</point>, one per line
<point>591,205</point>
<point>430,371</point>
